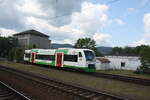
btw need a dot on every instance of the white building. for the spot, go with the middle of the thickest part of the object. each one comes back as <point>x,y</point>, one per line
<point>102,63</point>
<point>124,62</point>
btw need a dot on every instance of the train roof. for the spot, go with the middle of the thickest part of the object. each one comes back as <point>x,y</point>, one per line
<point>27,51</point>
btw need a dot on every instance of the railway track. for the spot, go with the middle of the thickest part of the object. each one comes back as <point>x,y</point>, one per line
<point>82,93</point>
<point>8,93</point>
<point>134,80</point>
<point>140,81</point>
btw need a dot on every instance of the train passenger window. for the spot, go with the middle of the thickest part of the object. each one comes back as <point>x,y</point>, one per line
<point>72,58</point>
<point>52,57</point>
<point>45,57</point>
<point>75,58</point>
<point>80,55</point>
<point>27,55</point>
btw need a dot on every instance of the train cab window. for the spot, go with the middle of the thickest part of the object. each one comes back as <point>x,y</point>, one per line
<point>89,55</point>
<point>80,55</point>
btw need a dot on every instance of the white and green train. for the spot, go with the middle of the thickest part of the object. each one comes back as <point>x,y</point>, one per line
<point>83,59</point>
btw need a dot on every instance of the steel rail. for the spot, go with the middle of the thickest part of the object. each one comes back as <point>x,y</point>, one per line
<point>9,93</point>
<point>140,81</point>
<point>70,88</point>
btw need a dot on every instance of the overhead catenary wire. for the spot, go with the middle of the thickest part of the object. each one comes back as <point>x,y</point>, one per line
<point>70,13</point>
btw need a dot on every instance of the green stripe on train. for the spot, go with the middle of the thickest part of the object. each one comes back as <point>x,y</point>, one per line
<point>86,69</point>
<point>65,51</point>
<point>45,63</point>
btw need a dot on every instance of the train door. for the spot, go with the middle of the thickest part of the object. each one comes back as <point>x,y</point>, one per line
<point>32,57</point>
<point>81,61</point>
<point>59,59</point>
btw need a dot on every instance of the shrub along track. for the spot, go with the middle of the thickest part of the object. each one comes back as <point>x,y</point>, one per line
<point>8,93</point>
<point>43,88</point>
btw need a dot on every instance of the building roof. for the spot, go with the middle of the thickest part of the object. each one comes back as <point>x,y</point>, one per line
<point>33,32</point>
<point>103,60</point>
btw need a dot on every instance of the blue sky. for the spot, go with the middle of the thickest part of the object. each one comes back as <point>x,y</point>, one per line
<point>131,12</point>
<point>108,22</point>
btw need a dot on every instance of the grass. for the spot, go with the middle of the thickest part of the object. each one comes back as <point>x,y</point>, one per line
<point>134,91</point>
<point>125,73</point>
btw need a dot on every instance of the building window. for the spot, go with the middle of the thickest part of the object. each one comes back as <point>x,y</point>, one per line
<point>122,64</point>
<point>72,58</point>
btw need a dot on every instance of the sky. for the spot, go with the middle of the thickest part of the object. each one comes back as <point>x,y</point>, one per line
<point>108,22</point>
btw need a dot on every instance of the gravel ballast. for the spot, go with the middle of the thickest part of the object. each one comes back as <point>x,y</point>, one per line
<point>134,91</point>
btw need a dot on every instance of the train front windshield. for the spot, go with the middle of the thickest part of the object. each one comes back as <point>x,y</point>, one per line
<point>89,55</point>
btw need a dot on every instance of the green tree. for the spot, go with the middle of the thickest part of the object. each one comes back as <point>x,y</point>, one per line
<point>117,50</point>
<point>87,43</point>
<point>128,50</point>
<point>34,45</point>
<point>138,49</point>
<point>6,44</point>
<point>19,53</point>
<point>145,59</point>
<point>11,55</point>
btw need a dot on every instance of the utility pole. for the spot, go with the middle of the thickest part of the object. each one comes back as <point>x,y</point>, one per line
<point>0,33</point>
<point>56,7</point>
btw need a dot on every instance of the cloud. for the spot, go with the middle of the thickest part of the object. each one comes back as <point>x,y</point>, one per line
<point>147,23</point>
<point>86,23</point>
<point>31,7</point>
<point>145,2</point>
<point>146,37</point>
<point>63,8</point>
<point>10,18</point>
<point>91,19</point>
<point>102,39</point>
<point>14,11</point>
<point>141,42</point>
<point>119,21</point>
<point>58,34</point>
<point>131,9</point>
<point>6,32</point>
<point>79,19</point>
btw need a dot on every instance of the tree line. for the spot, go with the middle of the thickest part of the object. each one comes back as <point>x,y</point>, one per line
<point>128,51</point>
<point>10,49</point>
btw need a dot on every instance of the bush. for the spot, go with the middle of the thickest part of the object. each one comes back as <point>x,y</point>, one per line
<point>16,54</point>
<point>11,55</point>
<point>145,60</point>
<point>19,53</point>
